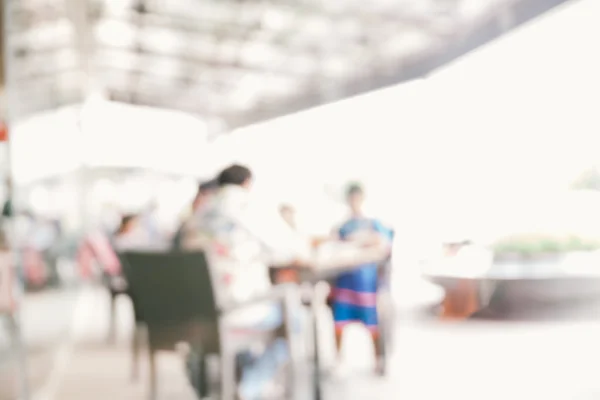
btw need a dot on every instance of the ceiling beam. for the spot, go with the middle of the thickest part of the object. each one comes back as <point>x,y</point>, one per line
<point>407,69</point>
<point>239,11</point>
<point>50,76</point>
<point>27,14</point>
<point>154,100</point>
<point>193,31</point>
<point>310,96</point>
<point>189,62</point>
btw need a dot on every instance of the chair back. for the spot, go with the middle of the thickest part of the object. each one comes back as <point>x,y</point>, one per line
<point>170,288</point>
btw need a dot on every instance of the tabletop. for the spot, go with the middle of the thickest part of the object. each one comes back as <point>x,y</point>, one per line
<point>479,265</point>
<point>332,259</point>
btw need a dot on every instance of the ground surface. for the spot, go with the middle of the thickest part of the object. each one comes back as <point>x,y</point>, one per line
<point>432,360</point>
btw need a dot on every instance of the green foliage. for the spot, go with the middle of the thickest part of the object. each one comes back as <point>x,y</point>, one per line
<point>588,180</point>
<point>530,245</point>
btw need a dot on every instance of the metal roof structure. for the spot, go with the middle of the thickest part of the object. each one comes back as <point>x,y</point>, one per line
<point>235,62</point>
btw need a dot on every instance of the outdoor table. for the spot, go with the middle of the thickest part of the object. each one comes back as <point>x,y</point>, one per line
<point>323,266</point>
<point>564,277</point>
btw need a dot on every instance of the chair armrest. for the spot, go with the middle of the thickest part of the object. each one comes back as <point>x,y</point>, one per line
<point>278,293</point>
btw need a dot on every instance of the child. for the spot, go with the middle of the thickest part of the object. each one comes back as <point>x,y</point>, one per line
<point>355,293</point>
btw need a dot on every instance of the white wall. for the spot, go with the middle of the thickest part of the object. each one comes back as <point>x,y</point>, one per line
<point>367,138</point>
<point>524,108</point>
<point>517,120</point>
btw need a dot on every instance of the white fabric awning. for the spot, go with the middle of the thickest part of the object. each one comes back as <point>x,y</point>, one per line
<point>108,135</point>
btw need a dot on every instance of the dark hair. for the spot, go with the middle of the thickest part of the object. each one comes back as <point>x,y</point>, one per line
<point>208,186</point>
<point>354,189</point>
<point>234,175</point>
<point>125,220</point>
<point>286,207</point>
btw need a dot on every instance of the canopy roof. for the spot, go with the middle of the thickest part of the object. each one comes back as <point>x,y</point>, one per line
<point>238,62</point>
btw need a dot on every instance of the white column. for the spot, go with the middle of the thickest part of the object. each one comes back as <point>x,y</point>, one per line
<point>79,12</point>
<point>8,115</point>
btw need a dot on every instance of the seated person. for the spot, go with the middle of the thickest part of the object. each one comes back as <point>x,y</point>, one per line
<point>148,221</point>
<point>205,193</point>
<point>130,234</point>
<point>354,293</point>
<point>241,243</point>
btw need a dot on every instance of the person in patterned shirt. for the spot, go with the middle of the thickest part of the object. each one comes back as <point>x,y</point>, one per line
<point>241,242</point>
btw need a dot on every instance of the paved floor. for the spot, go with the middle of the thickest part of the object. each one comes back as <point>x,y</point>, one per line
<point>45,320</point>
<point>524,360</point>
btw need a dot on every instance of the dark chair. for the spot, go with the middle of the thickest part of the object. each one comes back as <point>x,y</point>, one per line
<point>174,293</point>
<point>118,286</point>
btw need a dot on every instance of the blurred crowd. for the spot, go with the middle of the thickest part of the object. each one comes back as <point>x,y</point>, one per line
<point>243,240</point>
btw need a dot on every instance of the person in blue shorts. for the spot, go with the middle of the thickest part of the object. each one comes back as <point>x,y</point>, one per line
<point>354,293</point>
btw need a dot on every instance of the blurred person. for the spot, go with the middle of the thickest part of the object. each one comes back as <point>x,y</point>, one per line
<point>130,234</point>
<point>43,233</point>
<point>38,238</point>
<point>241,242</point>
<point>96,249</point>
<point>48,237</point>
<point>354,293</point>
<point>206,191</point>
<point>7,208</point>
<point>148,222</point>
<point>8,281</point>
<point>288,214</point>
